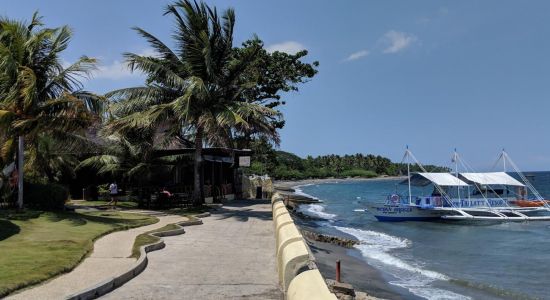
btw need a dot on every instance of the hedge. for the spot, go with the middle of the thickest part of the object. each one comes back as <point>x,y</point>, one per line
<point>41,196</point>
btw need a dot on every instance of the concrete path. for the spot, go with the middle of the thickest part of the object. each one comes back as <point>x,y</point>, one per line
<point>109,258</point>
<point>230,256</point>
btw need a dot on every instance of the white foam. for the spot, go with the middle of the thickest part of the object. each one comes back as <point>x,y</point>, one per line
<point>435,293</point>
<point>376,247</point>
<point>298,191</point>
<point>315,210</point>
<point>312,210</point>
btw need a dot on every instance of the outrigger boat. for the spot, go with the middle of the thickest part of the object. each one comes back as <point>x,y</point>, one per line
<point>462,197</point>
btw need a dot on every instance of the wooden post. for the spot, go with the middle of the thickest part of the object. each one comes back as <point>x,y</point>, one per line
<point>338,271</point>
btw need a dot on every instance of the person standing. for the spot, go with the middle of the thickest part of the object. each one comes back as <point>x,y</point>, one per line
<point>113,191</point>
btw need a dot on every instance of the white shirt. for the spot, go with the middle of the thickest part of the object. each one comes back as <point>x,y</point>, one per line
<point>113,188</point>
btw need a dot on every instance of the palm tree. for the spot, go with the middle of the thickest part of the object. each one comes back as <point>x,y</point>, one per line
<point>49,159</point>
<point>38,95</point>
<point>129,157</point>
<point>197,89</point>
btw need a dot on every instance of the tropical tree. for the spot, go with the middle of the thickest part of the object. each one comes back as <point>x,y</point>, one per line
<point>130,158</point>
<point>39,95</point>
<point>274,73</point>
<point>196,90</point>
<point>48,159</point>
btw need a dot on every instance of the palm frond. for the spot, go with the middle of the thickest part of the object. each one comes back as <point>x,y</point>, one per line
<point>153,67</point>
<point>102,163</point>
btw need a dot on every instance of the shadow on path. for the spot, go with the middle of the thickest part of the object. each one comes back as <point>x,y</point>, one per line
<point>243,210</point>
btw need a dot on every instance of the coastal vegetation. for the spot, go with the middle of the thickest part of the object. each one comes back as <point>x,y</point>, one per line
<point>288,166</point>
<point>36,245</point>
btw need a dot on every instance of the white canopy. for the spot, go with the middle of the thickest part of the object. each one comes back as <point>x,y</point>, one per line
<point>441,179</point>
<point>492,178</point>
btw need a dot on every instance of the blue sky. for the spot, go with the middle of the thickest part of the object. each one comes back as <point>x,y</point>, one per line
<point>435,75</point>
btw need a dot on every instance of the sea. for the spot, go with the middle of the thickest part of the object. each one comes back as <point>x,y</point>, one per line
<point>438,260</point>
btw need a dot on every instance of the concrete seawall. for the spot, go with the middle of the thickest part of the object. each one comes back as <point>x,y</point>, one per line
<point>298,275</point>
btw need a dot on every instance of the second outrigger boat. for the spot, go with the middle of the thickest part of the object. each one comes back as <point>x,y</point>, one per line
<point>463,197</point>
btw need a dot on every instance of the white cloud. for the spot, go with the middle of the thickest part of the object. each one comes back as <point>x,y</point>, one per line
<point>148,52</point>
<point>119,70</point>
<point>397,41</point>
<point>290,47</point>
<point>116,70</point>
<point>357,55</point>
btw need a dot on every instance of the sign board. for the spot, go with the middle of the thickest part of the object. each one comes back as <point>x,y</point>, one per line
<point>244,161</point>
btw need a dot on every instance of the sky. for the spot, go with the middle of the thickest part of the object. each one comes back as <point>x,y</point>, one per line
<point>434,75</point>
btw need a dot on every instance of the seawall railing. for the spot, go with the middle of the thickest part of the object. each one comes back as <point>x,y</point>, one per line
<point>298,275</point>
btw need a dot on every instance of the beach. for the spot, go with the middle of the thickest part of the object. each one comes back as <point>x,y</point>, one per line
<point>296,183</point>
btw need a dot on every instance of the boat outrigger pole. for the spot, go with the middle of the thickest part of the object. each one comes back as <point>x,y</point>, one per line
<point>407,153</point>
<point>529,186</point>
<point>504,160</point>
<point>455,160</point>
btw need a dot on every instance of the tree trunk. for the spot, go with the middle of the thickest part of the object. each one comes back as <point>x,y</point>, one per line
<point>20,167</point>
<point>197,191</point>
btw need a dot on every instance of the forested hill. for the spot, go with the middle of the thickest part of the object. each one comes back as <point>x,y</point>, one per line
<point>285,165</point>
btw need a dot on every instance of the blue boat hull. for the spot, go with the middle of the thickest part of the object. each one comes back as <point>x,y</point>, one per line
<point>402,219</point>
<point>400,213</point>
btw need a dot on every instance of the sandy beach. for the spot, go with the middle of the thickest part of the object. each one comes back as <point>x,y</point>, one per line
<point>296,183</point>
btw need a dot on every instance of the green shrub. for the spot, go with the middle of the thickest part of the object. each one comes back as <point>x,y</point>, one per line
<point>41,196</point>
<point>103,191</point>
<point>282,172</point>
<point>359,173</point>
<point>318,173</point>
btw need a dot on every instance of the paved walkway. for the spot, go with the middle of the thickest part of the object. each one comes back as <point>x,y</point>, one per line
<point>109,258</point>
<point>230,256</point>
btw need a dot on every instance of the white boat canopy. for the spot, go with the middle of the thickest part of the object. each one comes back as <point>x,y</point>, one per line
<point>441,179</point>
<point>491,178</point>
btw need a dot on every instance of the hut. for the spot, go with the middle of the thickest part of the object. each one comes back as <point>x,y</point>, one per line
<point>220,173</point>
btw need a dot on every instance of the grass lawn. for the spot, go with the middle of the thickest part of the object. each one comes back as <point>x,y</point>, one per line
<point>120,204</point>
<point>146,239</point>
<point>35,246</point>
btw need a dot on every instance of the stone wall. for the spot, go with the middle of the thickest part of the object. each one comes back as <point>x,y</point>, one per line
<point>249,184</point>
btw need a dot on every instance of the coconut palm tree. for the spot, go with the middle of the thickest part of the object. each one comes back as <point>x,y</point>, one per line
<point>196,89</point>
<point>38,94</point>
<point>49,159</point>
<point>129,157</point>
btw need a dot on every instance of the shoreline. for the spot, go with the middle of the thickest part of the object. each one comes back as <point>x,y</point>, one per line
<point>297,183</point>
<point>355,269</point>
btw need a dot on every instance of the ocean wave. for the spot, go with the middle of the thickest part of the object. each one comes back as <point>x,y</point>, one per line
<point>436,294</point>
<point>299,191</point>
<point>376,248</point>
<point>491,289</point>
<point>312,210</point>
<point>315,210</point>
